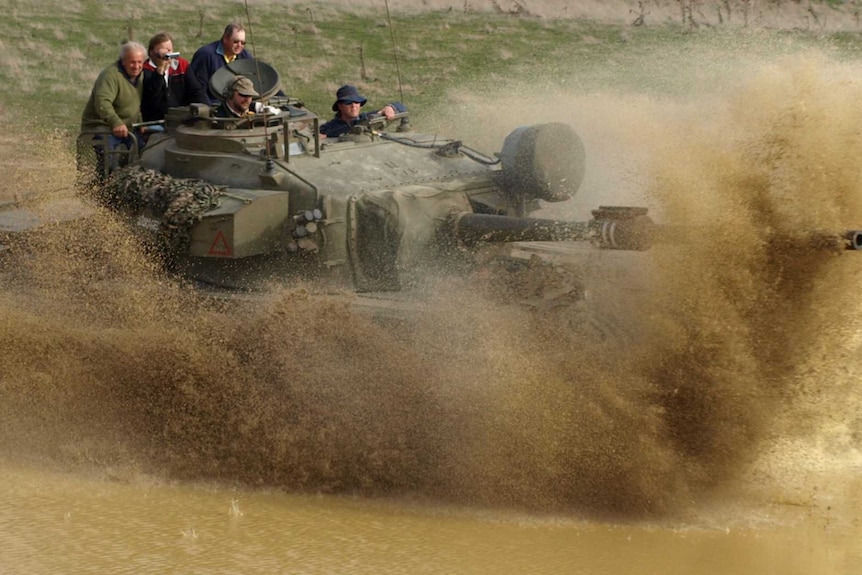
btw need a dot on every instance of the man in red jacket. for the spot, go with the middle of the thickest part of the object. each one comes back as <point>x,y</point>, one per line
<point>168,82</point>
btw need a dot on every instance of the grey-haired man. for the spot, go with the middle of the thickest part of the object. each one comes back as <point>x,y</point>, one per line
<point>114,106</point>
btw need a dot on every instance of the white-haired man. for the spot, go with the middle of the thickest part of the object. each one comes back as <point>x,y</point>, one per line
<point>115,101</point>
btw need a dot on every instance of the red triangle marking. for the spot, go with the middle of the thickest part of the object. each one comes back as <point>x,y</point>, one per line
<point>219,247</point>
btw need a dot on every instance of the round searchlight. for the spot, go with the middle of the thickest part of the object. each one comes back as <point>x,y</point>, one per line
<point>545,161</point>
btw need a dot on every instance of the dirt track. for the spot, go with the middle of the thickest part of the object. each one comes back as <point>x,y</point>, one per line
<point>33,161</point>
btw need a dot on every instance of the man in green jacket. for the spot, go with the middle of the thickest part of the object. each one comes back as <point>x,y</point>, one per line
<point>115,102</point>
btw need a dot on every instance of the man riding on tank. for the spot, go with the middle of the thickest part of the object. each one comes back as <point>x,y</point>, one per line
<point>347,108</point>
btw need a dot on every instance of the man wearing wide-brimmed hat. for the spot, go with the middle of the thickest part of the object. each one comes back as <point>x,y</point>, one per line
<point>348,111</point>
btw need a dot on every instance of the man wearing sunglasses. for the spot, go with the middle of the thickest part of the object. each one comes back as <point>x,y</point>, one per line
<point>348,111</point>
<point>209,58</point>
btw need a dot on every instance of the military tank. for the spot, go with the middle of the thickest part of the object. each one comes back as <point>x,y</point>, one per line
<point>240,203</point>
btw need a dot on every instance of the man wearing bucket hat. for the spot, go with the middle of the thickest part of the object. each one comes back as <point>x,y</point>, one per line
<point>348,111</point>
<point>238,100</point>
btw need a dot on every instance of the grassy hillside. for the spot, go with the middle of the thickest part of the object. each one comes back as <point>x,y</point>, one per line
<point>54,50</point>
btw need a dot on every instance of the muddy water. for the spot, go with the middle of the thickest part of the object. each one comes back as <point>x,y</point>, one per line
<point>54,522</point>
<point>710,425</point>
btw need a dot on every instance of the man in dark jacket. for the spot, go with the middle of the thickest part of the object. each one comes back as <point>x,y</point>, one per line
<point>167,80</point>
<point>212,57</point>
<point>347,108</point>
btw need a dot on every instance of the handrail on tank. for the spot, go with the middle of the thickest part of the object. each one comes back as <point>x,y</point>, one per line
<point>300,133</point>
<point>106,159</point>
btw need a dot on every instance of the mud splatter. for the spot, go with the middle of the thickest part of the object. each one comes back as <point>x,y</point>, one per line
<point>108,362</point>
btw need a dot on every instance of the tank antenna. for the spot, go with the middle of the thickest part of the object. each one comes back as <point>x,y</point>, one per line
<point>251,38</point>
<point>260,83</point>
<point>394,51</point>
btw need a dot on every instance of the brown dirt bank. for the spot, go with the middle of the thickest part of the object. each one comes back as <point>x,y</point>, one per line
<point>779,14</point>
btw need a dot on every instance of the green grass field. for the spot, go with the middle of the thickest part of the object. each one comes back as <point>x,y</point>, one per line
<point>54,50</point>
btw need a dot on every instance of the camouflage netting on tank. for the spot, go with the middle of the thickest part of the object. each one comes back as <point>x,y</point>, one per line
<point>178,202</point>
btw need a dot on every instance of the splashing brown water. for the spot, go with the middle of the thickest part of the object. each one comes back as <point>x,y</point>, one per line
<point>107,362</point>
<point>775,322</point>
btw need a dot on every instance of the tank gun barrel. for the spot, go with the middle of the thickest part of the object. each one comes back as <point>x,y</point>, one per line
<point>847,240</point>
<point>612,227</point>
<point>622,228</point>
